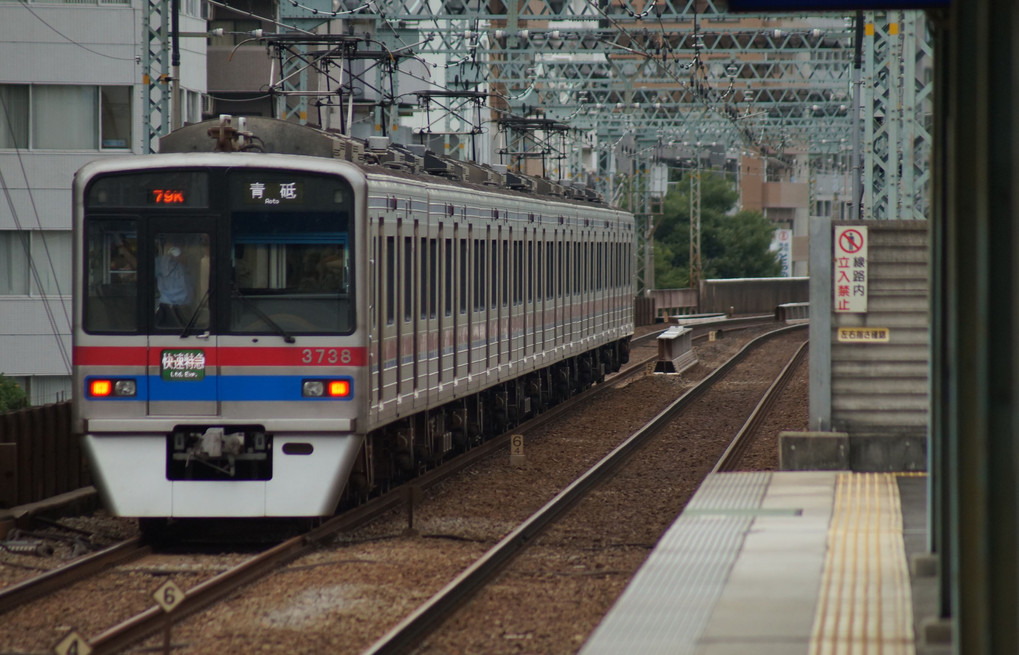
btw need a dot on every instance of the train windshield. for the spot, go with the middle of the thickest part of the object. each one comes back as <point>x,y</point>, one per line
<point>111,299</point>
<point>290,255</point>
<point>243,252</point>
<point>289,275</point>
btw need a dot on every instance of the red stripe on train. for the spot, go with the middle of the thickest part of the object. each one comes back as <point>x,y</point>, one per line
<point>232,356</point>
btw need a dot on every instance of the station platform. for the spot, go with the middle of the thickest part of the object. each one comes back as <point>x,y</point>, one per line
<point>776,563</point>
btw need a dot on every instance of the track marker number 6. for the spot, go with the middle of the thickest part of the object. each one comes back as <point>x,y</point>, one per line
<point>168,595</point>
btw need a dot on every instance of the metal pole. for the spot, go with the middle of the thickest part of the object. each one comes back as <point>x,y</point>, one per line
<point>855,209</point>
<point>175,62</point>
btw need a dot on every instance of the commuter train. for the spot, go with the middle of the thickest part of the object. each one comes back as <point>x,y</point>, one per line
<point>271,319</point>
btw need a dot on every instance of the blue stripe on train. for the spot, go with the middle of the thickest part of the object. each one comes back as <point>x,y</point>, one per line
<point>229,388</point>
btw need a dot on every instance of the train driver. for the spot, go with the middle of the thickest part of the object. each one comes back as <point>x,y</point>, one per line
<point>174,284</point>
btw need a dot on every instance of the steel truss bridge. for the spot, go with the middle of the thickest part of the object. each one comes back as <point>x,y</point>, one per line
<point>604,90</point>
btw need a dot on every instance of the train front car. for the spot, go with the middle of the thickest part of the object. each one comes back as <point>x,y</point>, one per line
<point>218,353</point>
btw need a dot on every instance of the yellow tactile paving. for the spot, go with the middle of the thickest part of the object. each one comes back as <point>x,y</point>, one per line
<point>865,604</point>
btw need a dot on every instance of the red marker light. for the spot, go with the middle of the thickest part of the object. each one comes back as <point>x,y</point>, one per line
<point>100,388</point>
<point>339,388</point>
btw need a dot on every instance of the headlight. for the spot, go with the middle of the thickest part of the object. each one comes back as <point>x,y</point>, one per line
<point>106,387</point>
<point>313,388</point>
<point>341,388</point>
<point>124,388</point>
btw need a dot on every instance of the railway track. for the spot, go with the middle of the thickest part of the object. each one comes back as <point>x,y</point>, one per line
<point>438,609</point>
<point>208,592</point>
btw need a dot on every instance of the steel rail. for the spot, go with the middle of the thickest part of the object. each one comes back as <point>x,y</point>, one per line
<point>35,587</point>
<point>730,459</point>
<point>409,632</point>
<point>216,588</point>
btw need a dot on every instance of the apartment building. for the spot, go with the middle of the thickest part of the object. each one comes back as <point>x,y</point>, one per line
<point>72,89</point>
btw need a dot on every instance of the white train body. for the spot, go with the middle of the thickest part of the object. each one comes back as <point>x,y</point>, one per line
<point>340,326</point>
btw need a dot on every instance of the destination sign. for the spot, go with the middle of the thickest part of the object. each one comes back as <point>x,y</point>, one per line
<point>257,192</point>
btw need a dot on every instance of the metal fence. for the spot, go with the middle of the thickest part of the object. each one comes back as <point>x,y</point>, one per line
<point>39,456</point>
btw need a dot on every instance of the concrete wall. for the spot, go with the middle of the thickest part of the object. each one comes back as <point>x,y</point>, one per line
<point>752,295</point>
<point>883,388</point>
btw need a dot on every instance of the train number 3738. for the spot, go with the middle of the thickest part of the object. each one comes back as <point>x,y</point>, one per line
<point>326,356</point>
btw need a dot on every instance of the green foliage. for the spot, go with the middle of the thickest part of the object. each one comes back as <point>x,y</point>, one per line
<point>733,244</point>
<point>12,396</point>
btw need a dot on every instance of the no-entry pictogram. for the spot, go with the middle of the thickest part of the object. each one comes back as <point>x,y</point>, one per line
<point>851,241</point>
<point>850,269</point>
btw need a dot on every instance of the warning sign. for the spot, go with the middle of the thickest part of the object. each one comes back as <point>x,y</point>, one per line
<point>864,335</point>
<point>850,268</point>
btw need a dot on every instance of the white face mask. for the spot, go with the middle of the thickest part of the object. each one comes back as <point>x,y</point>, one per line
<point>175,251</point>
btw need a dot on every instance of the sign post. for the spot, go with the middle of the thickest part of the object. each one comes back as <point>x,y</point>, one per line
<point>168,596</point>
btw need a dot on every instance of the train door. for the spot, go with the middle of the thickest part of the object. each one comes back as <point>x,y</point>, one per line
<point>388,316</point>
<point>568,285</point>
<point>462,325</point>
<point>477,304</point>
<point>492,311</point>
<point>505,303</point>
<point>516,305</point>
<point>557,281</point>
<point>182,359</point>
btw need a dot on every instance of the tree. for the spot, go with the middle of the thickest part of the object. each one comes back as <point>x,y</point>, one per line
<point>733,244</point>
<point>12,397</point>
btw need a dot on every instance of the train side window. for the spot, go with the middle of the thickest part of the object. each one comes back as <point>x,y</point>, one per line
<point>423,278</point>
<point>619,265</point>
<point>433,264</point>
<point>611,272</point>
<point>448,279</point>
<point>408,279</point>
<point>518,272</point>
<point>600,260</point>
<point>463,276</point>
<point>481,272</point>
<point>550,271</point>
<point>477,277</point>
<point>505,273</point>
<point>390,280</point>
<point>530,271</point>
<point>559,253</point>
<point>576,267</point>
<point>540,279</point>
<point>566,268</point>
<point>589,264</point>
<point>494,291</point>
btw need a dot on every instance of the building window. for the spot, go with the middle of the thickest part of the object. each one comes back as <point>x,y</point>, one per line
<point>51,253</point>
<point>13,263</point>
<point>13,116</point>
<point>115,110</point>
<point>65,116</point>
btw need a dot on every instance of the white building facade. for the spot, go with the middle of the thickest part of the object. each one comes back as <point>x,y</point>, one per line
<point>72,89</point>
